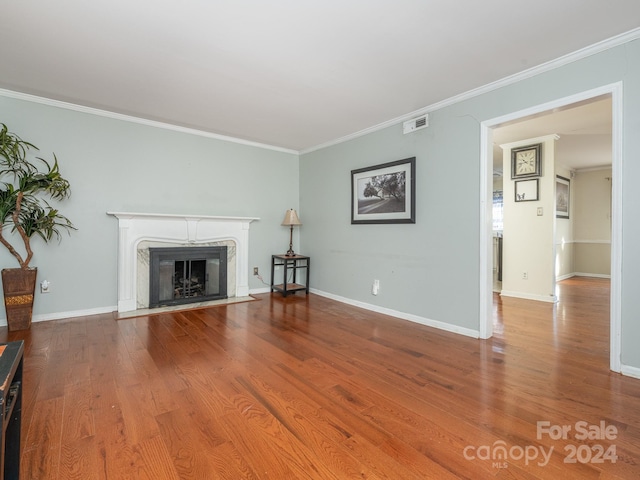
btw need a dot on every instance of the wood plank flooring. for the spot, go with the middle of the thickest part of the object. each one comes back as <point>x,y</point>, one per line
<point>308,388</point>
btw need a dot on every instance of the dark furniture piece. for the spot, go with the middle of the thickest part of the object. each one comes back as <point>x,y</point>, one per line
<point>10,408</point>
<point>290,263</point>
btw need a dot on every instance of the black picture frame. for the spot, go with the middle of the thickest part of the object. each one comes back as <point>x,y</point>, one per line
<point>537,149</point>
<point>527,190</point>
<point>384,193</point>
<point>563,196</point>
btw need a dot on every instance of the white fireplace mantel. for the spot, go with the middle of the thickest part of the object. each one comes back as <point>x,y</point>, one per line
<point>180,229</point>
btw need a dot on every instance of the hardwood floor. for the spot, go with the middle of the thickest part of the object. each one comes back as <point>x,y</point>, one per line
<point>308,388</point>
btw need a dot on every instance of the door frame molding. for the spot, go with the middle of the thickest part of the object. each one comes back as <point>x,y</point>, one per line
<point>486,203</point>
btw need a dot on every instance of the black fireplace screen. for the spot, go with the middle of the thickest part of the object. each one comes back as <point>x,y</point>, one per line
<point>187,274</point>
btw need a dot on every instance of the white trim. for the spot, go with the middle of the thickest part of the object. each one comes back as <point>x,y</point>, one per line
<point>595,242</point>
<point>256,291</point>
<point>486,160</point>
<point>63,315</point>
<point>616,228</point>
<point>486,225</point>
<point>404,316</point>
<point>594,275</point>
<point>529,296</point>
<point>603,242</point>
<point>169,216</point>
<point>142,121</point>
<point>582,274</point>
<point>592,169</point>
<point>630,371</point>
<point>554,104</point>
<point>531,72</point>
<point>559,278</point>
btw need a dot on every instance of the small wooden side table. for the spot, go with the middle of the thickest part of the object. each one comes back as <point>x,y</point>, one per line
<point>291,263</point>
<point>10,408</point>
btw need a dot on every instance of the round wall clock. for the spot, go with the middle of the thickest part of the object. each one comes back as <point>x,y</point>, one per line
<point>526,161</point>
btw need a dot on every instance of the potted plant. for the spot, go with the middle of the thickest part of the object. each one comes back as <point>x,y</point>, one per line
<point>25,184</point>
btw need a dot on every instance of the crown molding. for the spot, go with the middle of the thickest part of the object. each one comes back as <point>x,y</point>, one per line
<point>595,168</point>
<point>141,121</point>
<point>531,72</point>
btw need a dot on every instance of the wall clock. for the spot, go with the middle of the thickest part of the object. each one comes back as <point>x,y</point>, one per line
<point>526,161</point>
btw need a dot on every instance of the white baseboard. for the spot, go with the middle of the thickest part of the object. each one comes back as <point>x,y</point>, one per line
<point>630,371</point>
<point>404,316</point>
<point>62,315</point>
<point>530,296</point>
<point>88,312</point>
<point>595,275</point>
<point>259,290</point>
<point>559,278</point>
<point>581,274</point>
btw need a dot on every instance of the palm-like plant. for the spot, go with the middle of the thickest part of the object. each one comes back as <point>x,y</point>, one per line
<point>24,188</point>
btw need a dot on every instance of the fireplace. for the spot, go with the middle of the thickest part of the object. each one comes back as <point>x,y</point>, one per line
<point>138,232</point>
<point>180,275</point>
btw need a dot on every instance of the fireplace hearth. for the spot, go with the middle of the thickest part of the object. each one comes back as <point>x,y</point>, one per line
<point>180,275</point>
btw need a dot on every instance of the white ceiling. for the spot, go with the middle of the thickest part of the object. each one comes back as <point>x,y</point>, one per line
<point>292,74</point>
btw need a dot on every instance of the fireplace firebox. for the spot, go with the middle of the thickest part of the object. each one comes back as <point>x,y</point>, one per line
<point>180,275</point>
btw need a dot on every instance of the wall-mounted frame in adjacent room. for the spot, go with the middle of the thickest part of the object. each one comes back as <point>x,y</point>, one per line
<point>527,190</point>
<point>563,199</point>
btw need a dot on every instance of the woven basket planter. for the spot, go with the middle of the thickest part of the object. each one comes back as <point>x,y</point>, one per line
<point>19,288</point>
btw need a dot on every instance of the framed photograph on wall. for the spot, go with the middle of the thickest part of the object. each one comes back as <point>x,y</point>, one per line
<point>384,193</point>
<point>563,190</point>
<point>527,190</point>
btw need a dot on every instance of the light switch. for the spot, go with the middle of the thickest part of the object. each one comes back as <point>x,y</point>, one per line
<point>539,211</point>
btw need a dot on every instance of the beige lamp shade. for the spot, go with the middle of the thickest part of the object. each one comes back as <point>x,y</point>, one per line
<point>291,219</point>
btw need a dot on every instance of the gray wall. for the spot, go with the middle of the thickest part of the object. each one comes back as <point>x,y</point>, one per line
<point>116,165</point>
<point>423,268</point>
<point>431,269</point>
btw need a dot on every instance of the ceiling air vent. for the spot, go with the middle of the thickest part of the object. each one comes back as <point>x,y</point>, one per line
<point>415,124</point>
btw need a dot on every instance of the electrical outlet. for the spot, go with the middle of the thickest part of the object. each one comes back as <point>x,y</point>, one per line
<point>255,271</point>
<point>44,286</point>
<point>375,288</point>
<point>525,276</point>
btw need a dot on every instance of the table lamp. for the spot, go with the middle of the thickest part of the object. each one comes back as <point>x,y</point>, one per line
<point>290,220</point>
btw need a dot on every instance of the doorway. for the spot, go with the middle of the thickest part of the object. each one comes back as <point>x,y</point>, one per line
<point>489,127</point>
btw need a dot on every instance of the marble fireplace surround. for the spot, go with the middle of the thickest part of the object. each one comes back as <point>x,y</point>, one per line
<point>136,230</point>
